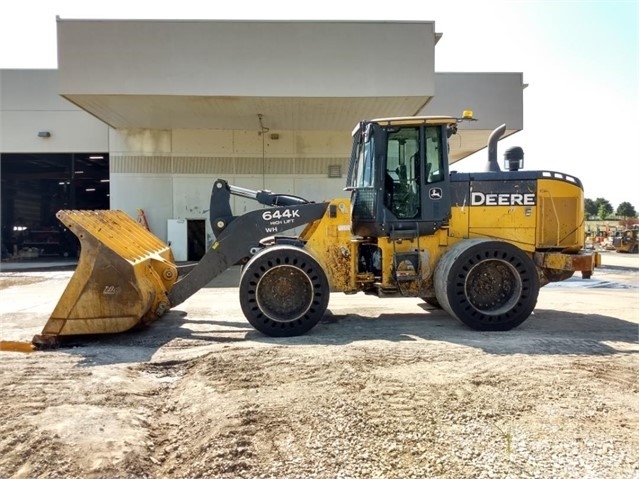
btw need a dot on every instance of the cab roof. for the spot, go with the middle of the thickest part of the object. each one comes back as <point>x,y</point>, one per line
<point>411,121</point>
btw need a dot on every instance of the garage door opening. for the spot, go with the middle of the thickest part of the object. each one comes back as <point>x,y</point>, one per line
<point>196,233</point>
<point>35,187</point>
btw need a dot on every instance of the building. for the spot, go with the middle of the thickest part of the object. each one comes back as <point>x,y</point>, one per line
<point>145,115</point>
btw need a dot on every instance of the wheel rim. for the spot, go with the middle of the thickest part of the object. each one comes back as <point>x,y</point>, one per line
<point>284,293</point>
<point>493,287</point>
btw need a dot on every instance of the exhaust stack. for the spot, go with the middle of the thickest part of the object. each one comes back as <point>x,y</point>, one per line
<point>492,164</point>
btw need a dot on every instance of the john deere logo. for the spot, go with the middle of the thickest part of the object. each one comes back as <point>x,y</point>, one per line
<point>435,193</point>
<point>502,199</point>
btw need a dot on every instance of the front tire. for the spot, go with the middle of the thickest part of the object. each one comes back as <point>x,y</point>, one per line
<point>488,285</point>
<point>283,291</point>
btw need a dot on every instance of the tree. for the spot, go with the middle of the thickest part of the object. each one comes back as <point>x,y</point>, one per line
<point>590,207</point>
<point>604,208</point>
<point>626,210</point>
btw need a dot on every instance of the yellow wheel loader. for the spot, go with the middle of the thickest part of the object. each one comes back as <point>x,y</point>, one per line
<point>627,241</point>
<point>479,245</point>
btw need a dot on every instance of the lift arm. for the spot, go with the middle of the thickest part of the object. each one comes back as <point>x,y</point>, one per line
<point>238,237</point>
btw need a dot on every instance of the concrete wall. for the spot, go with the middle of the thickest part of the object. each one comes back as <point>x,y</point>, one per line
<point>170,173</point>
<point>165,196</point>
<point>29,103</point>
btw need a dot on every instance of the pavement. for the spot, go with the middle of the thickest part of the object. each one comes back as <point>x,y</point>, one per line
<point>44,264</point>
<point>605,306</point>
<point>228,279</point>
<point>38,264</point>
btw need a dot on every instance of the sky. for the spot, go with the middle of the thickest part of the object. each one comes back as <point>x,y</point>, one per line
<point>580,59</point>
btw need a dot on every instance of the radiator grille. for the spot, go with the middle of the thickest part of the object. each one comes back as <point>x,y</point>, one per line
<point>558,221</point>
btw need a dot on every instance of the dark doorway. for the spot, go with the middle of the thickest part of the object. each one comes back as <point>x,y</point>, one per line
<point>34,187</point>
<point>196,237</point>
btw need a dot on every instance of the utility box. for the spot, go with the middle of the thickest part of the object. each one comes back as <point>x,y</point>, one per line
<point>177,238</point>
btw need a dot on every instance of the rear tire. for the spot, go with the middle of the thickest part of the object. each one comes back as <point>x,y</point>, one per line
<point>488,285</point>
<point>283,291</point>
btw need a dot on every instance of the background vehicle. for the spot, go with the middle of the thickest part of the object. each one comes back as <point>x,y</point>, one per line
<point>627,241</point>
<point>480,245</point>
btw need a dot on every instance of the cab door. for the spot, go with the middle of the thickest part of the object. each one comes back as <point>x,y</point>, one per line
<point>416,181</point>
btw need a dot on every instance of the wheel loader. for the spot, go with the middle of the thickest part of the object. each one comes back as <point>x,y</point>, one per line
<point>479,245</point>
<point>627,241</point>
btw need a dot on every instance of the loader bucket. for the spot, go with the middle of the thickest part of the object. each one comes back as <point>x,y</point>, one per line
<point>121,281</point>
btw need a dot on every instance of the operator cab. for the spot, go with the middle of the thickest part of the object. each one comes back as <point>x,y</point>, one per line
<point>398,176</point>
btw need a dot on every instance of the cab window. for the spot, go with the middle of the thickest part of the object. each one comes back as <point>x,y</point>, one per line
<point>434,171</point>
<point>401,184</point>
<point>365,166</point>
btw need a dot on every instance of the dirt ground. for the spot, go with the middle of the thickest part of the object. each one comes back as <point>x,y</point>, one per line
<point>380,389</point>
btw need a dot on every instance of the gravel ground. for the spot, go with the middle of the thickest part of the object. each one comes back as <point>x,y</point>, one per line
<point>380,389</point>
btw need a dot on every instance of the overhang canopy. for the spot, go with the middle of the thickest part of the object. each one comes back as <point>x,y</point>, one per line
<point>241,113</point>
